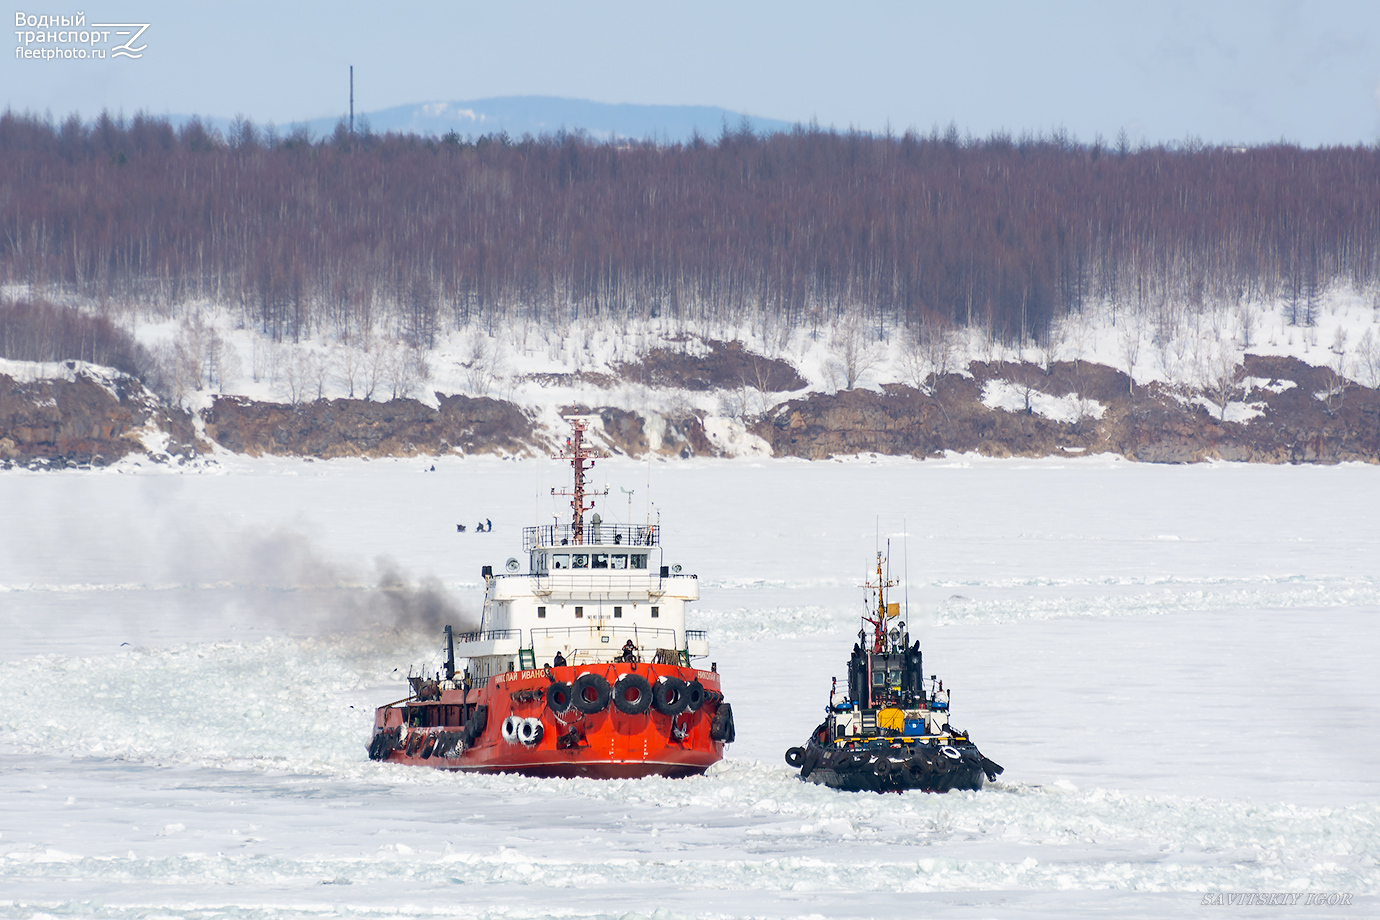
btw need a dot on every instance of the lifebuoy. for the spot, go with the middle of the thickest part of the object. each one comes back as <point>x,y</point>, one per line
<point>632,694</point>
<point>529,731</point>
<point>669,696</point>
<point>695,696</point>
<point>591,693</point>
<point>559,697</point>
<point>510,729</point>
<point>950,753</point>
<point>795,756</point>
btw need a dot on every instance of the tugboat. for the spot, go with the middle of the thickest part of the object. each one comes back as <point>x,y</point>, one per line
<point>580,667</point>
<point>891,733</point>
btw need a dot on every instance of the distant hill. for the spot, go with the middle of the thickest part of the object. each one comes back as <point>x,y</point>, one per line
<point>538,115</point>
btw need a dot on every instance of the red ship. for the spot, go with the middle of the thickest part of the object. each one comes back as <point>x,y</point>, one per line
<point>580,667</point>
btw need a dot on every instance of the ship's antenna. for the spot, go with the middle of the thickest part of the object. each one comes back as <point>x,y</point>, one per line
<point>581,459</point>
<point>905,571</point>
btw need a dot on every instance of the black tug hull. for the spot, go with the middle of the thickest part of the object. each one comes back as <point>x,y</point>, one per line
<point>928,768</point>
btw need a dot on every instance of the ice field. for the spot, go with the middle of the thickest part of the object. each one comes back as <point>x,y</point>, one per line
<point>1176,665</point>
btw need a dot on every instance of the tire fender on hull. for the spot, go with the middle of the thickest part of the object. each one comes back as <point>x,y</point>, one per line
<point>695,695</point>
<point>721,729</point>
<point>529,732</point>
<point>560,697</point>
<point>670,696</point>
<point>591,693</point>
<point>476,725</point>
<point>632,694</point>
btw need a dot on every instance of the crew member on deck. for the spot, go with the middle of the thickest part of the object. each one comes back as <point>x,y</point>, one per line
<point>558,661</point>
<point>629,651</point>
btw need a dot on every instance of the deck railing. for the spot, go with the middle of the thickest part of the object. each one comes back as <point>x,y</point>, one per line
<point>490,635</point>
<point>642,636</point>
<point>591,535</point>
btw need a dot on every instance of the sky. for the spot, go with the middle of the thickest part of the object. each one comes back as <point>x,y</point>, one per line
<point>1234,71</point>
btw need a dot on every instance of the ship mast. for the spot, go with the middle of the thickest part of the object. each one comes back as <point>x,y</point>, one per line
<point>884,609</point>
<point>581,458</point>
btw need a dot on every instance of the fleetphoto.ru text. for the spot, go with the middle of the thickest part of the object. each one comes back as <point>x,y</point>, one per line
<point>70,38</point>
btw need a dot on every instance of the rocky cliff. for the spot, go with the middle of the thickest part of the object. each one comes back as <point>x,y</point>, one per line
<point>78,414</point>
<point>1277,410</point>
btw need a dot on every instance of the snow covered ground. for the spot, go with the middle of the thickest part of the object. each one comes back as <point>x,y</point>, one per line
<point>1176,665</point>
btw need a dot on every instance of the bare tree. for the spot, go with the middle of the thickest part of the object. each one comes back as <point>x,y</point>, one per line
<point>1130,349</point>
<point>348,362</point>
<point>1368,360</point>
<point>1220,376</point>
<point>855,354</point>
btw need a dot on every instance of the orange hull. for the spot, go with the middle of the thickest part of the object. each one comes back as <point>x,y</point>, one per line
<point>608,743</point>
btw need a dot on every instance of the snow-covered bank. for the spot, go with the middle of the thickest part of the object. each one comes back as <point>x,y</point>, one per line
<point>1174,664</point>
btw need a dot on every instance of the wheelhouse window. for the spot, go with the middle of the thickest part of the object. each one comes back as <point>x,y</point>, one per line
<point>639,560</point>
<point>599,561</point>
<point>560,560</point>
<point>618,561</point>
<point>579,561</point>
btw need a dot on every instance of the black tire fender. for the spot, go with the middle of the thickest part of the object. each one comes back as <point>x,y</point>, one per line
<point>795,756</point>
<point>479,721</point>
<point>591,693</point>
<point>560,697</point>
<point>809,760</point>
<point>632,694</point>
<point>670,696</point>
<point>721,729</point>
<point>695,696</point>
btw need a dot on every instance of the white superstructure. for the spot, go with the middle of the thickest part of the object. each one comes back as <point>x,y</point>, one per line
<point>590,589</point>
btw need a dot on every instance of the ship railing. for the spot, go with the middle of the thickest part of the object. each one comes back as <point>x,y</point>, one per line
<point>613,637</point>
<point>491,635</point>
<point>602,534</point>
<point>584,581</point>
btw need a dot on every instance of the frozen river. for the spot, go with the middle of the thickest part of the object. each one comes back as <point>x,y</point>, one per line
<point>1176,665</point>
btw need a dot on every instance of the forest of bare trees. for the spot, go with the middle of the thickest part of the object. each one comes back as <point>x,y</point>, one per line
<point>352,234</point>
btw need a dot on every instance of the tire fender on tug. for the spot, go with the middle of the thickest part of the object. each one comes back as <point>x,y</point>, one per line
<point>670,696</point>
<point>632,694</point>
<point>529,731</point>
<point>591,693</point>
<point>560,697</point>
<point>695,695</point>
<point>478,721</point>
<point>721,728</point>
<point>511,725</point>
<point>795,756</point>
